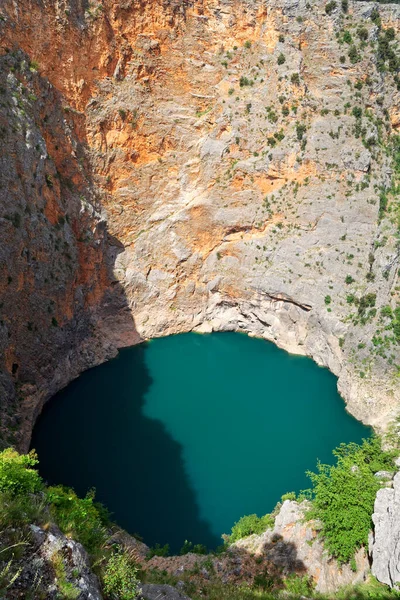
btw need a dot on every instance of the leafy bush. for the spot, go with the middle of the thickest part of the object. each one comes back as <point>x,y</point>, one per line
<point>194,548</point>
<point>250,524</point>
<point>300,130</point>
<point>330,7</point>
<point>158,550</point>
<point>365,302</point>
<point>119,578</point>
<point>362,33</point>
<point>347,37</point>
<point>343,495</point>
<point>244,81</point>
<point>354,56</point>
<point>288,496</point>
<point>16,473</point>
<point>281,59</point>
<point>299,584</point>
<point>295,78</point>
<point>77,517</point>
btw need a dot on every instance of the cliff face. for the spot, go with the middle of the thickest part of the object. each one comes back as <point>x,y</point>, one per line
<point>55,251</point>
<point>241,154</point>
<point>384,540</point>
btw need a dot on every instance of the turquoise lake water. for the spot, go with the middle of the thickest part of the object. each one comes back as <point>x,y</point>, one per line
<point>183,435</point>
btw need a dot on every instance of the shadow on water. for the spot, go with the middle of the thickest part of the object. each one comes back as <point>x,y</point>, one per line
<point>134,464</point>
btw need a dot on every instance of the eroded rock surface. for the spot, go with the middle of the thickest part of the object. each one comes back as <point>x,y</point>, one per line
<point>384,545</point>
<point>293,546</point>
<point>52,566</point>
<point>238,153</point>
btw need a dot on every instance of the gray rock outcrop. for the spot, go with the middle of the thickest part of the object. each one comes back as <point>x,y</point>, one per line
<point>384,545</point>
<point>51,565</point>
<point>293,546</point>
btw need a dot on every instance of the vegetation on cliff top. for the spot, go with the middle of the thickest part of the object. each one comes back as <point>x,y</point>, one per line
<point>343,495</point>
<point>26,500</point>
<point>341,499</point>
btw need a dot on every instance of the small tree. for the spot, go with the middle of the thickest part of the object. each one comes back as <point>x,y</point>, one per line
<point>120,581</point>
<point>16,473</point>
<point>344,494</point>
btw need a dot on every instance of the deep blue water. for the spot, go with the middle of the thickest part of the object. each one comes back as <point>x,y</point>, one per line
<point>183,435</point>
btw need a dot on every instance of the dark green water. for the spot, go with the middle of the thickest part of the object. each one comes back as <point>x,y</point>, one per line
<point>183,435</point>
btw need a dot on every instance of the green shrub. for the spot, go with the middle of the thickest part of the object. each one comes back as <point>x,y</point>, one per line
<point>194,548</point>
<point>295,78</point>
<point>119,578</point>
<point>244,81</point>
<point>327,300</point>
<point>386,311</point>
<point>300,130</point>
<point>330,7</point>
<point>288,496</point>
<point>250,524</point>
<point>77,517</point>
<point>66,589</point>
<point>343,495</point>
<point>354,55</point>
<point>362,33</point>
<point>347,37</point>
<point>281,59</point>
<point>16,473</point>
<point>366,301</point>
<point>158,550</point>
<point>376,17</point>
<point>383,204</point>
<point>299,584</point>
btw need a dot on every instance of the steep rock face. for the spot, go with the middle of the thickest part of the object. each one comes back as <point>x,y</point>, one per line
<point>385,541</point>
<point>242,191</point>
<point>290,547</point>
<point>293,546</point>
<point>55,253</point>
<point>52,566</point>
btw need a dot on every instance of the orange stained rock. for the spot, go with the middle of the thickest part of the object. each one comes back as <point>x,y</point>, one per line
<point>203,235</point>
<point>52,209</point>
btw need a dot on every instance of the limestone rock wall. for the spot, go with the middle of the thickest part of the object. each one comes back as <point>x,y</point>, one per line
<point>384,544</point>
<point>215,177</point>
<point>293,546</point>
